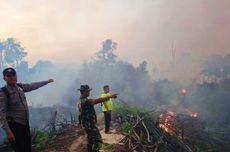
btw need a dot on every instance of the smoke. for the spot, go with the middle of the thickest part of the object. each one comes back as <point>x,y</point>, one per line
<point>57,92</point>
<point>136,85</point>
<point>146,29</point>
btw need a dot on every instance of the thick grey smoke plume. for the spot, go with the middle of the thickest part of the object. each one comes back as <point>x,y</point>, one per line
<point>134,84</point>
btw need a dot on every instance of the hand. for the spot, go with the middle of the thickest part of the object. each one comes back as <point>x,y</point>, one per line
<point>114,96</point>
<point>108,111</point>
<point>10,136</point>
<point>51,80</point>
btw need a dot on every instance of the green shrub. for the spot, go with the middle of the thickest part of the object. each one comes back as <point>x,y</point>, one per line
<point>106,146</point>
<point>124,110</point>
<point>126,127</point>
<point>149,117</point>
<point>41,140</point>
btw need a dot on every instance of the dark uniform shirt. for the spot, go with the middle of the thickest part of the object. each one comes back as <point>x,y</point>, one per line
<point>87,112</point>
<point>16,109</point>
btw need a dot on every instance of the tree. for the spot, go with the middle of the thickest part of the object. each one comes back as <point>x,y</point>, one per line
<point>13,52</point>
<point>106,54</point>
<point>212,66</point>
<point>142,67</point>
<point>217,66</point>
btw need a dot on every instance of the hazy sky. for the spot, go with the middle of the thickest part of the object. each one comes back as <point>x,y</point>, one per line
<point>70,31</point>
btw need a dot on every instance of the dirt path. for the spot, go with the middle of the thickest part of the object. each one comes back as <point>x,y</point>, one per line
<point>78,145</point>
<point>75,139</point>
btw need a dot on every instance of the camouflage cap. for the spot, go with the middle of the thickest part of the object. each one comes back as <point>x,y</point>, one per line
<point>84,88</point>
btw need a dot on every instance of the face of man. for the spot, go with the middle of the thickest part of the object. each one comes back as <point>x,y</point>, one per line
<point>106,90</point>
<point>86,93</point>
<point>11,79</point>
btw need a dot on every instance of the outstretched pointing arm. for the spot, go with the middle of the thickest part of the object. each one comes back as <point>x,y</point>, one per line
<point>100,100</point>
<point>35,85</point>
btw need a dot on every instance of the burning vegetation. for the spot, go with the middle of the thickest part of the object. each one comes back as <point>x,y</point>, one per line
<point>167,131</point>
<point>178,125</point>
<point>204,128</point>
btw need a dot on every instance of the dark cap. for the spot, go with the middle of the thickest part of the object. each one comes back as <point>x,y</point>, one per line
<point>84,88</point>
<point>9,71</point>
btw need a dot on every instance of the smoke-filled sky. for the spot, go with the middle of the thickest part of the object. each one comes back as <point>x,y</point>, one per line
<point>70,31</point>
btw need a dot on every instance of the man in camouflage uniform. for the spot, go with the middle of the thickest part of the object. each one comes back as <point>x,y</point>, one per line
<point>88,117</point>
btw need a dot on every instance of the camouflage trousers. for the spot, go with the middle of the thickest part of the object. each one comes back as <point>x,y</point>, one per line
<point>93,136</point>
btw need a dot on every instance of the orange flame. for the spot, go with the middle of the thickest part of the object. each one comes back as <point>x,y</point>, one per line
<point>166,120</point>
<point>183,90</point>
<point>166,123</point>
<point>192,114</point>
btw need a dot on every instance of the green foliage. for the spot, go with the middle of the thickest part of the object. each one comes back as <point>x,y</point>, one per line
<point>41,139</point>
<point>106,146</point>
<point>124,110</point>
<point>126,127</point>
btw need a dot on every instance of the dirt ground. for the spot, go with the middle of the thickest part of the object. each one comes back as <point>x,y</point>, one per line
<point>75,139</point>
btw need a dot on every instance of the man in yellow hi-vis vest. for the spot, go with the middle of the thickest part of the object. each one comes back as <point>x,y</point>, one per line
<point>107,108</point>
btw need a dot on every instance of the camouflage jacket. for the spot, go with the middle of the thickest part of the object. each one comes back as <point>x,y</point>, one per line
<point>87,112</point>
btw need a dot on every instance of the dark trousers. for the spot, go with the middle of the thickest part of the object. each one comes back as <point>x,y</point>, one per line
<point>107,116</point>
<point>22,137</point>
